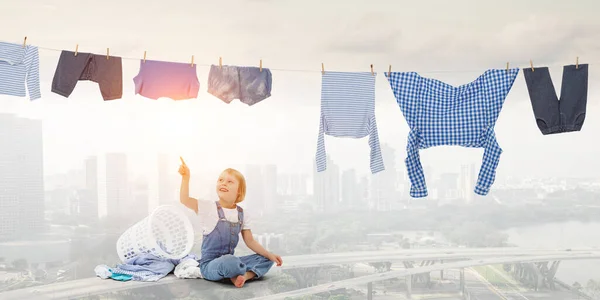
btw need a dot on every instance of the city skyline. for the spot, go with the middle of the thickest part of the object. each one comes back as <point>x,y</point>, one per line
<point>77,172</point>
<point>268,187</point>
<point>105,184</point>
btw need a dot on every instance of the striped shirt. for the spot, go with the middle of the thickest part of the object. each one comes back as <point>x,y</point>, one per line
<point>440,114</point>
<point>348,110</point>
<point>19,66</point>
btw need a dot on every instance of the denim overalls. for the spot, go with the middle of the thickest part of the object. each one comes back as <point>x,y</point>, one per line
<point>218,262</point>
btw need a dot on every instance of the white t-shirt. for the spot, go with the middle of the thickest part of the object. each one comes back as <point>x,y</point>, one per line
<point>208,216</point>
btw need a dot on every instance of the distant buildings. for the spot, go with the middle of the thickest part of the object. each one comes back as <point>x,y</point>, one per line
<point>384,195</point>
<point>338,191</point>
<point>168,190</point>
<point>21,177</point>
<point>104,187</point>
<point>326,187</point>
<point>255,188</point>
<point>117,184</point>
<point>271,241</point>
<point>351,192</point>
<point>88,198</point>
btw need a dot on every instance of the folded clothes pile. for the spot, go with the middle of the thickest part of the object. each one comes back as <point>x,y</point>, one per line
<point>147,267</point>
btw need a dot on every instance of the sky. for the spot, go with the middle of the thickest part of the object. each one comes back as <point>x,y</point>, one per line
<point>453,41</point>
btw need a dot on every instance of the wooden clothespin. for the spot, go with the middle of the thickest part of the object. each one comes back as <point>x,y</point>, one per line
<point>577,63</point>
<point>220,62</point>
<point>372,73</point>
<point>390,70</point>
<point>76,49</point>
<point>144,56</point>
<point>323,68</point>
<point>260,65</point>
<point>507,66</point>
<point>24,42</point>
<point>531,64</point>
<point>192,61</point>
<point>107,53</point>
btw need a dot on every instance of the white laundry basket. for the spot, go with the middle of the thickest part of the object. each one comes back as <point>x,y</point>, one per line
<point>166,233</point>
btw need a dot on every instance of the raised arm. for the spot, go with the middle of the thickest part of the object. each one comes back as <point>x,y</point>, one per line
<point>184,191</point>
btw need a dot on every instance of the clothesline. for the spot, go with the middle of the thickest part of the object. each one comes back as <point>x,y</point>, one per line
<point>319,70</point>
<point>436,112</point>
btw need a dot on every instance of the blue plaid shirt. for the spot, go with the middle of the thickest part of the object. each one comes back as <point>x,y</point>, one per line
<point>440,114</point>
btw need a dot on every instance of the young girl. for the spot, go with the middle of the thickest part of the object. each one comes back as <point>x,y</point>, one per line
<point>222,222</point>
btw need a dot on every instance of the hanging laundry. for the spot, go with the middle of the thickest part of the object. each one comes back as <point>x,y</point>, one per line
<point>250,85</point>
<point>551,114</point>
<point>440,114</point>
<point>177,81</point>
<point>348,110</point>
<point>19,67</point>
<point>106,72</point>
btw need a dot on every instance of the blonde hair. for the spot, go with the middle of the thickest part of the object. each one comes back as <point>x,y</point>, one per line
<point>242,183</point>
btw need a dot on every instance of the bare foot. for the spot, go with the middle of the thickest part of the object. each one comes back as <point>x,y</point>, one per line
<point>249,275</point>
<point>238,281</point>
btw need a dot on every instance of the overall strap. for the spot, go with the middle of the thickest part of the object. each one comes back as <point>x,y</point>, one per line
<point>220,210</point>
<point>240,216</point>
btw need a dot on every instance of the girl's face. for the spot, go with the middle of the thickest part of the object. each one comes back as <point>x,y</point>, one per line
<point>227,187</point>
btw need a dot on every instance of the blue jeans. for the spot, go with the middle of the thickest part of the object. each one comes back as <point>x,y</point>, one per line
<point>229,266</point>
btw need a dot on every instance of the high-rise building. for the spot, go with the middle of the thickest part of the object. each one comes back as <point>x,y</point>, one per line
<point>384,193</point>
<point>138,205</point>
<point>326,187</point>
<point>269,181</point>
<point>299,184</point>
<point>292,184</point>
<point>117,184</point>
<point>167,190</point>
<point>284,184</point>
<point>350,189</point>
<point>88,198</point>
<point>255,189</point>
<point>448,189</point>
<point>21,177</point>
<point>467,180</point>
<point>363,192</point>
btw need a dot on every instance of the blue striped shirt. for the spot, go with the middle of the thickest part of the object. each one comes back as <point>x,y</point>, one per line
<point>440,114</point>
<point>348,110</point>
<point>19,66</point>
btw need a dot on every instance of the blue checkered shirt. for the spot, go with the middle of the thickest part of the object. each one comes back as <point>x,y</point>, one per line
<point>440,114</point>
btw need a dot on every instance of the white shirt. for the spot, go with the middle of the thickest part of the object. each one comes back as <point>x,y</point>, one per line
<point>208,216</point>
